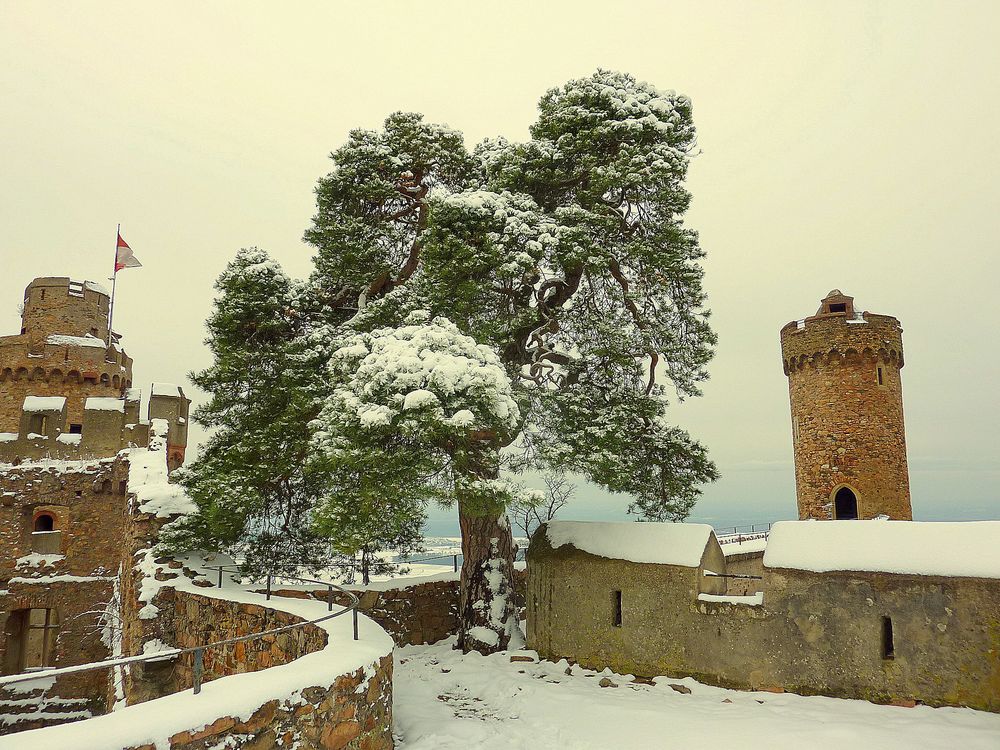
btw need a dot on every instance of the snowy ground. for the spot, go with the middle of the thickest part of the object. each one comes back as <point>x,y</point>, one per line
<point>447,701</point>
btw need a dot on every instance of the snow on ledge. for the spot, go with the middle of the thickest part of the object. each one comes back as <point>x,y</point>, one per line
<point>59,339</point>
<point>752,600</point>
<point>105,403</point>
<point>969,549</point>
<point>147,478</point>
<point>165,389</point>
<point>44,403</point>
<point>660,543</point>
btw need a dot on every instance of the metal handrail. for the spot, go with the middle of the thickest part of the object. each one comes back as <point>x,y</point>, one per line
<point>198,651</point>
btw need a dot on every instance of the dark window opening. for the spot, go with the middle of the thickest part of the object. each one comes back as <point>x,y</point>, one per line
<point>93,332</point>
<point>838,307</point>
<point>881,377</point>
<point>845,505</point>
<point>888,650</point>
<point>45,522</point>
<point>75,429</point>
<point>122,486</point>
<point>618,610</point>
<point>36,425</point>
<point>43,294</point>
<point>24,331</point>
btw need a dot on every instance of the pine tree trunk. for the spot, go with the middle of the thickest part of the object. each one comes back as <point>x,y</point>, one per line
<point>487,613</point>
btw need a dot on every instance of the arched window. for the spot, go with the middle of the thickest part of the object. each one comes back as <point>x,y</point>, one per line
<point>45,522</point>
<point>845,505</point>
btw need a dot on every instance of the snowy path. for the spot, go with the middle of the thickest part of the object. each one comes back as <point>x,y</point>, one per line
<point>446,701</point>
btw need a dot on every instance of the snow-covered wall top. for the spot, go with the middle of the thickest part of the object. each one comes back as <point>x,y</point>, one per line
<point>968,549</point>
<point>165,389</point>
<point>662,543</point>
<point>105,403</point>
<point>44,403</point>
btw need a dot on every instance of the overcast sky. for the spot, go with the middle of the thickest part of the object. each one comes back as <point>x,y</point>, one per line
<point>843,144</point>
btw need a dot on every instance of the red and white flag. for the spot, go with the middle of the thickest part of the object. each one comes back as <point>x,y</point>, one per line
<point>124,257</point>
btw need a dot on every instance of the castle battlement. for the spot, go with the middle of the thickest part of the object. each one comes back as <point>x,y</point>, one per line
<point>108,425</point>
<point>63,349</point>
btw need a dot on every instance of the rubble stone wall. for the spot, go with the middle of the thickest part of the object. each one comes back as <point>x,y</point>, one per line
<point>813,633</point>
<point>413,614</point>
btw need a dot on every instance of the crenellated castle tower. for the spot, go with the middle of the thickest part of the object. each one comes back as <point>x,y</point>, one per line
<point>66,385</point>
<point>68,414</point>
<point>846,394</point>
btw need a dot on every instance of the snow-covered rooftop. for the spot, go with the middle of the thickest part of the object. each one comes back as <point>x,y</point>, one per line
<point>104,403</point>
<point>965,549</point>
<point>62,340</point>
<point>96,286</point>
<point>662,543</point>
<point>165,389</point>
<point>44,403</point>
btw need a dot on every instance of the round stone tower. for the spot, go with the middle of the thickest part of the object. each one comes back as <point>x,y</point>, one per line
<point>844,384</point>
<point>62,350</point>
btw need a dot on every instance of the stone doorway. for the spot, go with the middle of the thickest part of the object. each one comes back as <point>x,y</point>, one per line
<point>31,639</point>
<point>845,505</point>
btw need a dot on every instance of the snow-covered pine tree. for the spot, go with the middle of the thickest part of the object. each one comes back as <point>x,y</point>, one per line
<point>417,415</point>
<point>254,499</point>
<point>568,256</point>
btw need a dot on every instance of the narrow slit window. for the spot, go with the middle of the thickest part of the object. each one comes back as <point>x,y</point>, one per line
<point>617,622</point>
<point>880,375</point>
<point>888,649</point>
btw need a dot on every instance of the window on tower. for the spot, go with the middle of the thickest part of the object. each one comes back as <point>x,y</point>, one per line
<point>838,307</point>
<point>880,375</point>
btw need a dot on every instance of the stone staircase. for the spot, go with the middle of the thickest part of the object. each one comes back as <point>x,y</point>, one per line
<point>32,709</point>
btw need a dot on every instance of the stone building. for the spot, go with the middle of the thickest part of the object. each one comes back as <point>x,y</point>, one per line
<point>843,369</point>
<point>879,610</point>
<point>67,413</point>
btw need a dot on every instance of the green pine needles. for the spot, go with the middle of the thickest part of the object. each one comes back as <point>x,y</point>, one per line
<point>470,313</point>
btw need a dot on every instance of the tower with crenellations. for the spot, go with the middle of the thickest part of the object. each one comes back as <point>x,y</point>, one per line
<point>843,369</point>
<point>71,434</point>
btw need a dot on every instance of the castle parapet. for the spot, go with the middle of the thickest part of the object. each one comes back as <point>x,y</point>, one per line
<point>108,425</point>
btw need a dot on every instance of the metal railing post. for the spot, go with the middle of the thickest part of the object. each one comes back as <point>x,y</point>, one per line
<point>269,587</point>
<point>355,611</point>
<point>220,576</point>
<point>455,562</point>
<point>199,668</point>
<point>329,598</point>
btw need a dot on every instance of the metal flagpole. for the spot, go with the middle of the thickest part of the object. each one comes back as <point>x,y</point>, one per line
<point>114,283</point>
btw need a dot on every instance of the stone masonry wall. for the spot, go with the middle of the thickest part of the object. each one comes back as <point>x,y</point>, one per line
<point>354,713</point>
<point>413,614</point>
<point>847,428</point>
<point>813,633</point>
<point>75,577</point>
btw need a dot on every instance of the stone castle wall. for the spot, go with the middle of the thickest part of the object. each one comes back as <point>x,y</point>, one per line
<point>847,427</point>
<point>811,634</point>
<point>71,570</point>
<point>412,613</point>
<point>61,350</point>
